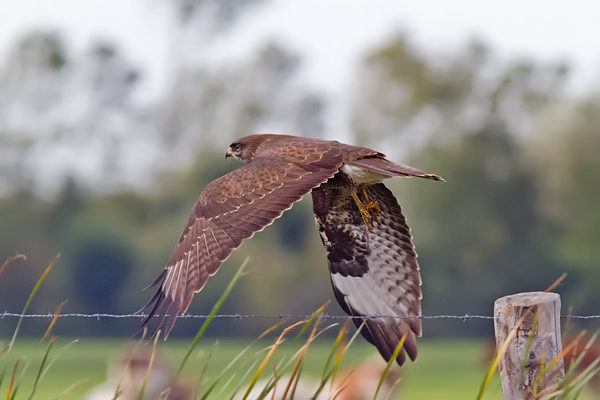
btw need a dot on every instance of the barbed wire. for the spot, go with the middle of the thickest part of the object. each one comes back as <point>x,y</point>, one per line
<point>98,316</point>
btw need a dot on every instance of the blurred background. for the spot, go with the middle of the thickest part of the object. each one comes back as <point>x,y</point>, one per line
<point>114,116</point>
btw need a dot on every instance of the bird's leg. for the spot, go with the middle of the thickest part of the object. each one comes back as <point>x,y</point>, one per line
<point>372,207</point>
<point>368,210</point>
<point>363,212</point>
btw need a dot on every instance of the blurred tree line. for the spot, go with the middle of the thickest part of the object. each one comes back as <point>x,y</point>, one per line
<point>89,171</point>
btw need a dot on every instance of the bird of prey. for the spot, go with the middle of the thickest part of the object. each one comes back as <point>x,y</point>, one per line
<point>371,257</point>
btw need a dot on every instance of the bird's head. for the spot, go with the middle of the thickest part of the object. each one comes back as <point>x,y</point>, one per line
<point>235,151</point>
<point>247,148</point>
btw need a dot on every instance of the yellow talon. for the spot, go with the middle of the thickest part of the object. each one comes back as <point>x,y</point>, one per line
<point>368,211</point>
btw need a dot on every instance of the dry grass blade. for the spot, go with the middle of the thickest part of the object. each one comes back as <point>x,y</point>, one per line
<point>150,364</point>
<point>573,349</point>
<point>317,315</point>
<point>574,387</point>
<point>392,388</point>
<point>587,374</point>
<point>234,362</point>
<point>271,329</point>
<point>291,387</point>
<point>568,322</point>
<point>342,386</point>
<point>338,359</point>
<point>53,322</point>
<point>10,394</point>
<point>276,378</point>
<point>272,349</point>
<point>296,381</point>
<point>299,356</point>
<point>568,385</point>
<point>10,260</point>
<point>296,371</point>
<point>386,371</point>
<point>557,388</point>
<point>339,347</point>
<point>565,382</point>
<point>334,348</point>
<point>339,342</point>
<point>496,361</point>
<point>356,334</point>
<point>314,320</point>
<point>67,390</point>
<point>556,282</point>
<point>572,346</point>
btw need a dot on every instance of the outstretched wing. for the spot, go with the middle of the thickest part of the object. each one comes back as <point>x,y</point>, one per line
<point>373,271</point>
<point>229,210</point>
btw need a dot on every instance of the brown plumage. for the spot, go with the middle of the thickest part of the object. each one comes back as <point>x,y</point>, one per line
<point>371,257</point>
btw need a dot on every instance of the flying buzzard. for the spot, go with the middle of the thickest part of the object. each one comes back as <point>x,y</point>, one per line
<point>371,257</point>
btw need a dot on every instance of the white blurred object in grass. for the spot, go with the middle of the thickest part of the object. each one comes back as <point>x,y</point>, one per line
<point>127,372</point>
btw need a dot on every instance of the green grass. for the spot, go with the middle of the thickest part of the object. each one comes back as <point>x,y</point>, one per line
<point>446,369</point>
<point>68,369</point>
<point>449,369</point>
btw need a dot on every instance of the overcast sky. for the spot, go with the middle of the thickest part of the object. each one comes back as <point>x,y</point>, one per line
<point>330,34</point>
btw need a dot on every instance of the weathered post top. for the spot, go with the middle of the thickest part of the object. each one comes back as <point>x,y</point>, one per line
<point>528,299</point>
<point>521,365</point>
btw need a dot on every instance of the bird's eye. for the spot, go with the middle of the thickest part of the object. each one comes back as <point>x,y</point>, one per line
<point>235,147</point>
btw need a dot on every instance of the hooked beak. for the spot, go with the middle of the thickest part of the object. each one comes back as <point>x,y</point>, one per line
<point>229,153</point>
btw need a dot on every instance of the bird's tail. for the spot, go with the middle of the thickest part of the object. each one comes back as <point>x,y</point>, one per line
<point>386,167</point>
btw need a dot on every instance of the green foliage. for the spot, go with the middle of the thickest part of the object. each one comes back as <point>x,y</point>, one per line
<point>563,154</point>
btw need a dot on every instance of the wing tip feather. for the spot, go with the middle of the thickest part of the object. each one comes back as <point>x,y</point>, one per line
<point>385,337</point>
<point>160,307</point>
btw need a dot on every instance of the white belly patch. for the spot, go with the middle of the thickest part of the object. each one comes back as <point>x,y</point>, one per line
<point>361,175</point>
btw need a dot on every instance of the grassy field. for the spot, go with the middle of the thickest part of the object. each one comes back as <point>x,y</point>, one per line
<point>446,369</point>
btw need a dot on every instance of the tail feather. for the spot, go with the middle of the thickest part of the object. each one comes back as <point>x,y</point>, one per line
<point>386,167</point>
